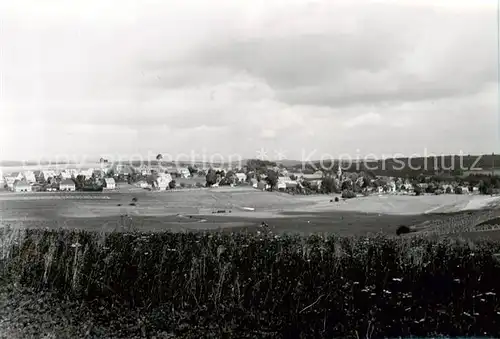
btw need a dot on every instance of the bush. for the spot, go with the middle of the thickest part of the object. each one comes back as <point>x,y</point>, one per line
<point>337,199</point>
<point>403,230</point>
<point>348,194</point>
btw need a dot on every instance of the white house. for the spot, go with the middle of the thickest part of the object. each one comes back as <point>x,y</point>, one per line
<point>46,175</point>
<point>144,170</point>
<point>163,181</point>
<point>241,177</point>
<point>29,176</point>
<point>184,172</point>
<point>109,183</point>
<point>67,185</point>
<point>65,175</point>
<point>21,186</point>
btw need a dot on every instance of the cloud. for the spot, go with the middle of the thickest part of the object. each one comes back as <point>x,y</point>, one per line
<point>365,119</point>
<point>139,76</point>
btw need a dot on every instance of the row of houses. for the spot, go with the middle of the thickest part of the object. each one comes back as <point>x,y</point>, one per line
<point>69,185</point>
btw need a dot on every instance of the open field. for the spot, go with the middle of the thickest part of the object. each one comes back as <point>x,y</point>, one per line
<point>186,210</point>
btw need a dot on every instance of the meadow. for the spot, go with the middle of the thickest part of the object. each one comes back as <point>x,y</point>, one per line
<point>222,285</point>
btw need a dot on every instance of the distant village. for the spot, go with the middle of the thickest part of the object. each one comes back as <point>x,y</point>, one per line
<point>261,175</point>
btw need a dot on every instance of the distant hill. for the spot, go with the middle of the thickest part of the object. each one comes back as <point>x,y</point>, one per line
<point>430,165</point>
<point>13,163</point>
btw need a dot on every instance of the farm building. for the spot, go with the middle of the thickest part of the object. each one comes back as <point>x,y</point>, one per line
<point>21,186</point>
<point>67,185</point>
<point>109,184</point>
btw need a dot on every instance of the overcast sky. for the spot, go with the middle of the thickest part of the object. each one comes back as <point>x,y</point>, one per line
<point>295,77</point>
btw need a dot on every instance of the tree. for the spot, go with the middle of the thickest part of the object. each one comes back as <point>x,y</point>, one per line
<point>171,184</point>
<point>328,185</point>
<point>211,178</point>
<point>110,173</point>
<point>431,188</point>
<point>366,182</point>
<point>192,170</point>
<point>485,188</point>
<point>159,158</point>
<point>80,182</point>
<point>346,185</point>
<point>230,176</point>
<point>417,189</point>
<point>272,179</point>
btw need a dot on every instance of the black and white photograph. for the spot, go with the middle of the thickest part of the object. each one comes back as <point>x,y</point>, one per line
<point>249,169</point>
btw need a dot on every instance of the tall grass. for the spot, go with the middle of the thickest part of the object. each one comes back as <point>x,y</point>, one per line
<point>287,286</point>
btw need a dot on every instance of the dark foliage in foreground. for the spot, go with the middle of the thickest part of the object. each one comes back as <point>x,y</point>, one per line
<point>237,285</point>
<point>403,230</point>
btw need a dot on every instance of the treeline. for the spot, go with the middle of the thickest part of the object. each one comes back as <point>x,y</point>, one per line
<point>399,167</point>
